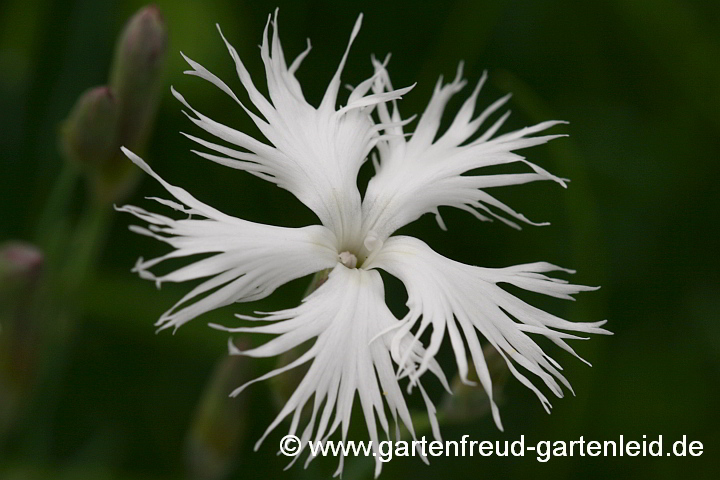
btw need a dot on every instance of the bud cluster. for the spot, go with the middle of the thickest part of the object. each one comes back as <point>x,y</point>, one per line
<point>121,113</point>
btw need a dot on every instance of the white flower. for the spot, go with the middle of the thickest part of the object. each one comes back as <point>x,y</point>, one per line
<point>359,346</point>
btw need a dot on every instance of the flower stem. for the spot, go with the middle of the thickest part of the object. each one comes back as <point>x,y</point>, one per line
<point>317,280</point>
<point>73,258</point>
<point>52,227</point>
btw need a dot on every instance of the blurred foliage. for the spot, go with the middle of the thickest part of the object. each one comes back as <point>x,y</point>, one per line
<point>639,82</point>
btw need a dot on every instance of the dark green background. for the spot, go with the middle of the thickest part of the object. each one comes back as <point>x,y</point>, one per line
<point>639,82</point>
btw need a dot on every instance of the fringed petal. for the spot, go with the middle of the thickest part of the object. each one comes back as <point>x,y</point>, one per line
<point>248,260</point>
<point>350,357</point>
<point>315,153</point>
<point>416,176</point>
<point>447,295</point>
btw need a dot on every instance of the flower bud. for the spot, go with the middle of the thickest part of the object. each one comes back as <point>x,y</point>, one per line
<point>136,77</point>
<point>21,267</point>
<point>88,137</point>
<point>137,74</point>
<point>20,264</point>
<point>470,402</point>
<point>218,429</point>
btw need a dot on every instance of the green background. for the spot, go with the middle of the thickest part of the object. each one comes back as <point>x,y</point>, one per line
<point>639,82</point>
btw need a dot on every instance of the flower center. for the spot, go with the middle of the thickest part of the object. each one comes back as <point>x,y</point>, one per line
<point>355,255</point>
<point>348,259</point>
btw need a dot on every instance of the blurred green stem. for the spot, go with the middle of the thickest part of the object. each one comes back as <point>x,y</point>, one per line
<point>72,254</point>
<point>86,245</point>
<point>52,228</point>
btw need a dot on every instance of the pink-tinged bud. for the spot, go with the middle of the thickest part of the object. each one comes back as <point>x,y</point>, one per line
<point>21,265</point>
<point>21,270</point>
<point>218,428</point>
<point>89,135</point>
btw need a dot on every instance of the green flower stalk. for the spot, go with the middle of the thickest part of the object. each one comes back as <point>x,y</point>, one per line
<point>469,403</point>
<point>103,120</point>
<point>283,386</point>
<point>219,425</point>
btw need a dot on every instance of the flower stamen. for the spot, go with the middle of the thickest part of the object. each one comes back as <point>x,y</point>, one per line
<point>348,259</point>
